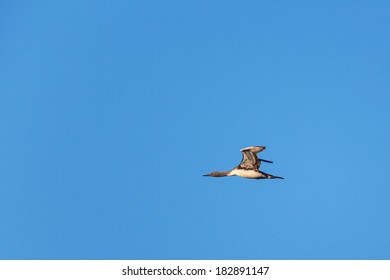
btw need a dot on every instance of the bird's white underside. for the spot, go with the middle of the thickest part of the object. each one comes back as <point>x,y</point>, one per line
<point>245,173</point>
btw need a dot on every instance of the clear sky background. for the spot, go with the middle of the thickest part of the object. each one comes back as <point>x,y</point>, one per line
<point>110,112</point>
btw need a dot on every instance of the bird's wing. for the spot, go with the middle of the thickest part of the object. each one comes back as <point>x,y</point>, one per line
<point>249,157</point>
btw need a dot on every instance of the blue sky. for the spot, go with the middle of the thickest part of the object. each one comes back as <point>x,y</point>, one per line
<point>110,112</point>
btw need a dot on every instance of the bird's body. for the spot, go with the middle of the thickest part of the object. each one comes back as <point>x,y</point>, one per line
<point>246,173</point>
<point>248,167</point>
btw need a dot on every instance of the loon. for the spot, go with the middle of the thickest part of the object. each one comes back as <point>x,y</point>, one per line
<point>248,167</point>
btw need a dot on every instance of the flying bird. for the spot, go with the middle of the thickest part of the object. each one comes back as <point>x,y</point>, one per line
<point>248,167</point>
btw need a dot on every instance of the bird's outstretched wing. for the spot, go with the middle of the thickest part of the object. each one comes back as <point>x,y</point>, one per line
<point>249,157</point>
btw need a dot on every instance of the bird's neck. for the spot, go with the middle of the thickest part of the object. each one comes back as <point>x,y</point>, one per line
<point>221,173</point>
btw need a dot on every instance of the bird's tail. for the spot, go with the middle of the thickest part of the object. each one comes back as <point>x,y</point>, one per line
<point>276,177</point>
<point>269,176</point>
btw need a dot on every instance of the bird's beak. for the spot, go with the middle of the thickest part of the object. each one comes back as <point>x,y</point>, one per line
<point>206,175</point>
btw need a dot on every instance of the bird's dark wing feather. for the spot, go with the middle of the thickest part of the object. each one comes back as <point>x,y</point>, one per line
<point>249,160</point>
